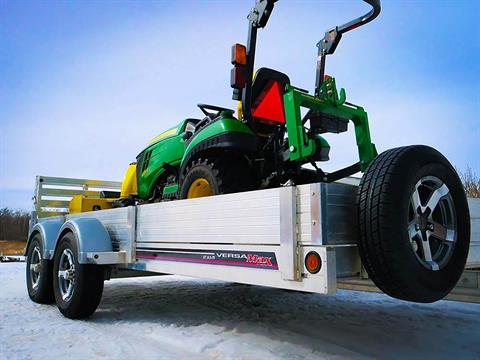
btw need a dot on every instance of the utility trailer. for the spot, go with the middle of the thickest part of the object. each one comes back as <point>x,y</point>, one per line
<point>296,237</point>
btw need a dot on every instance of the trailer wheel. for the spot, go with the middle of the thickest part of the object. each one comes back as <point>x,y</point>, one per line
<point>39,273</point>
<point>414,224</point>
<point>78,287</point>
<point>221,175</point>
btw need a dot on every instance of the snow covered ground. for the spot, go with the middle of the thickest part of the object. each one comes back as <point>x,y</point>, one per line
<point>179,317</point>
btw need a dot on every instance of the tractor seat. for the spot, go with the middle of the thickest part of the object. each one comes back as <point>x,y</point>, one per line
<point>263,77</point>
<point>268,89</point>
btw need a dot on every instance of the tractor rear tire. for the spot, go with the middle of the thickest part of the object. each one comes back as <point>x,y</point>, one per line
<point>39,273</point>
<point>215,176</point>
<point>77,287</point>
<point>414,224</point>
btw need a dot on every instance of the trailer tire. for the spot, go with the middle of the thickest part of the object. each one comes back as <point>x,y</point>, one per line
<point>38,273</point>
<point>217,175</point>
<point>77,287</point>
<point>414,224</point>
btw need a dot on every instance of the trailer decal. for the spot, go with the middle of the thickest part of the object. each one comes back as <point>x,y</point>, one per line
<point>262,260</point>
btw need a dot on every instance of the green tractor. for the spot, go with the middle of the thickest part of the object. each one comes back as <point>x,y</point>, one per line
<point>269,141</point>
<point>414,225</point>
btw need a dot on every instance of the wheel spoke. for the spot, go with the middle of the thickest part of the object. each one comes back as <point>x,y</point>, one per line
<point>412,231</point>
<point>416,202</point>
<point>433,265</point>
<point>35,267</point>
<point>427,253</point>
<point>63,274</point>
<point>435,197</point>
<point>69,289</point>
<point>70,260</point>
<point>66,274</point>
<point>441,232</point>
<point>66,294</point>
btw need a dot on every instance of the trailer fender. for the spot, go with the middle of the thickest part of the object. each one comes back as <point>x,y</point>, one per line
<point>91,237</point>
<point>48,230</point>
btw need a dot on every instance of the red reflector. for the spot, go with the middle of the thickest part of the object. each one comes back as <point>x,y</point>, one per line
<point>313,262</point>
<point>269,105</point>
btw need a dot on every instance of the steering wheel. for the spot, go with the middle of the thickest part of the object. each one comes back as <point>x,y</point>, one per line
<point>218,109</point>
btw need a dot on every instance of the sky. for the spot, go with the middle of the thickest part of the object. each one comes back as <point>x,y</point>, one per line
<point>84,85</point>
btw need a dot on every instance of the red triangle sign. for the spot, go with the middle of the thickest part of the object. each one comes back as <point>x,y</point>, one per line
<point>269,105</point>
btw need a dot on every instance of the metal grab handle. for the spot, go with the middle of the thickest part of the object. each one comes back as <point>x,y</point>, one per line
<point>362,20</point>
<point>332,37</point>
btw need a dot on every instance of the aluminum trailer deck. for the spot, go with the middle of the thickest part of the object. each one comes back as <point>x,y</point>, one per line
<point>258,237</point>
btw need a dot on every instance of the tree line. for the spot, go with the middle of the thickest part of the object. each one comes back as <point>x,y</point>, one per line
<point>14,224</point>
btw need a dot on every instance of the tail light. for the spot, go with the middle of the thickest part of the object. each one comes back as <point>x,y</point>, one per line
<point>313,262</point>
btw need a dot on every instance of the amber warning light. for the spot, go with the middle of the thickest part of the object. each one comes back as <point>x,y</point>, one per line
<point>239,54</point>
<point>239,60</point>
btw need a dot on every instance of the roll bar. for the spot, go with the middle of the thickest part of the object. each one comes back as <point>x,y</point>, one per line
<point>258,18</point>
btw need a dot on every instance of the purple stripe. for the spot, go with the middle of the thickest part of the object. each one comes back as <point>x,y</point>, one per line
<point>202,261</point>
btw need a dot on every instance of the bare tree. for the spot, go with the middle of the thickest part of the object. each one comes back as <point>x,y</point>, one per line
<point>471,182</point>
<point>13,224</point>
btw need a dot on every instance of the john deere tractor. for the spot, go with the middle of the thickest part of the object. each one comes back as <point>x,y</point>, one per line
<point>414,225</point>
<point>267,143</point>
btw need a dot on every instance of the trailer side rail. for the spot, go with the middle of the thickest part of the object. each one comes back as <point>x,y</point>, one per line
<point>53,194</point>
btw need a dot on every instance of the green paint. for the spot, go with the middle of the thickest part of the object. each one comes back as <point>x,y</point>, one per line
<point>166,150</point>
<point>221,126</point>
<point>170,189</point>
<point>321,141</point>
<point>171,149</point>
<point>330,103</point>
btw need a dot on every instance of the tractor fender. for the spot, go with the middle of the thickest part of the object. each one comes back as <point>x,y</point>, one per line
<point>90,235</point>
<point>225,133</point>
<point>48,231</point>
<point>240,142</point>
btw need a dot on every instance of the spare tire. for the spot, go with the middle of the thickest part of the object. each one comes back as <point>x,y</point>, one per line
<point>414,224</point>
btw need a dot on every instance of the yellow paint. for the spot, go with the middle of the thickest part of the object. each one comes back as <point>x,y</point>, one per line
<point>81,203</point>
<point>239,103</point>
<point>163,135</point>
<point>239,110</point>
<point>199,188</point>
<point>129,184</point>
